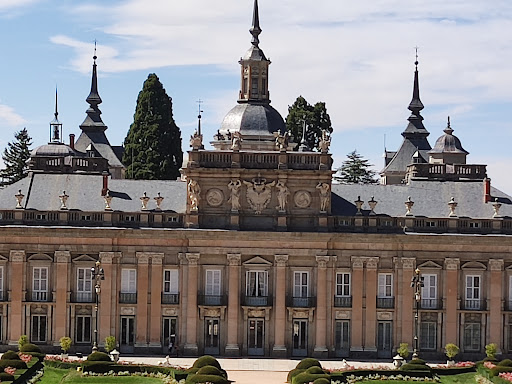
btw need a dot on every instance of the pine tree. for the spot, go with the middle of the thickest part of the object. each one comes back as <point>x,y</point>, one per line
<point>317,119</point>
<point>356,170</point>
<point>15,158</point>
<point>152,147</point>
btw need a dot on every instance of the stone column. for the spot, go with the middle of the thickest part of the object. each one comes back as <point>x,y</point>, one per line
<point>495,292</point>
<point>451,283</point>
<point>356,323</point>
<point>232,346</point>
<point>191,343</point>
<point>155,327</point>
<point>406,302</point>
<point>63,259</point>
<point>279,349</point>
<point>108,299</point>
<point>371,304</point>
<point>320,350</point>
<point>141,340</point>
<point>16,296</point>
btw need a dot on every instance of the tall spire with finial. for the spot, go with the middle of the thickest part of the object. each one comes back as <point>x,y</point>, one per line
<point>55,124</point>
<point>255,28</point>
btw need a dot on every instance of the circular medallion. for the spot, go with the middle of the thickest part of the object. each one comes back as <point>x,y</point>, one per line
<point>302,199</point>
<point>214,197</point>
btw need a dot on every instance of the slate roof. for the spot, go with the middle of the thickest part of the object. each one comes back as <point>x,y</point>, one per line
<point>102,145</point>
<point>252,119</point>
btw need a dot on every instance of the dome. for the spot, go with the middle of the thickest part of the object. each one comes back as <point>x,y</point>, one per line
<point>448,143</point>
<point>54,150</point>
<point>253,120</point>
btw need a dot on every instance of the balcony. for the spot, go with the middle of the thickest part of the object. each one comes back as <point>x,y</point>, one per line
<point>473,305</point>
<point>170,298</point>
<point>82,297</point>
<point>301,302</point>
<point>257,301</point>
<point>385,302</point>
<point>39,296</point>
<point>3,296</point>
<point>431,304</point>
<point>343,301</point>
<point>127,298</point>
<point>213,300</point>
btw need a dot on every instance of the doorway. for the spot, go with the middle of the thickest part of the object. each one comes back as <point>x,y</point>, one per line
<point>127,340</point>
<point>256,337</point>
<point>300,337</point>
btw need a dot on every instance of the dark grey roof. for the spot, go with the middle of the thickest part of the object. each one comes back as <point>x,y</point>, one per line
<point>430,199</point>
<point>448,143</point>
<point>101,144</point>
<point>53,149</point>
<point>42,193</point>
<point>252,119</point>
<point>404,156</point>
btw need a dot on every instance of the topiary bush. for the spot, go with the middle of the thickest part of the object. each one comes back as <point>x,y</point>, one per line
<point>18,364</point>
<point>4,376</point>
<point>292,373</point>
<point>10,355</point>
<point>499,369</point>
<point>29,347</point>
<point>322,380</point>
<point>206,360</point>
<point>308,362</point>
<point>99,356</point>
<point>505,363</point>
<point>315,370</point>
<point>306,377</point>
<point>210,370</point>
<point>416,365</point>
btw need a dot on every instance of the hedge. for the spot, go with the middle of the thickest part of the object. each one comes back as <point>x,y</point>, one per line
<point>29,347</point>
<point>10,355</point>
<point>453,370</point>
<point>306,377</point>
<point>18,364</point>
<point>4,376</point>
<point>98,356</point>
<point>307,363</point>
<point>497,370</point>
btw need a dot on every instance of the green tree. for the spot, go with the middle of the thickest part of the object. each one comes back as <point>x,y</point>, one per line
<point>317,119</point>
<point>356,170</point>
<point>152,147</point>
<point>15,158</point>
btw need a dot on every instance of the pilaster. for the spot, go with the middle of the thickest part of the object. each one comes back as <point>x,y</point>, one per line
<point>155,327</point>
<point>142,299</point>
<point>279,348</point>
<point>495,292</point>
<point>451,266</point>
<point>232,346</point>
<point>17,259</point>
<point>356,334</point>
<point>404,302</point>
<point>320,350</point>
<point>371,304</point>
<point>63,259</point>
<point>192,279</point>
<point>108,298</point>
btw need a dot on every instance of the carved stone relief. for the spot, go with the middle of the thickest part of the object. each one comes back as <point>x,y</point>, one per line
<point>234,259</point>
<point>384,316</point>
<point>170,312</point>
<point>281,260</point>
<point>343,315</point>
<point>214,197</point>
<point>451,263</point>
<point>496,264</point>
<point>302,199</point>
<point>127,311</point>
<point>259,193</point>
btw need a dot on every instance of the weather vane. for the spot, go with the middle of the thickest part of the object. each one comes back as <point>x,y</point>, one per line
<point>416,48</point>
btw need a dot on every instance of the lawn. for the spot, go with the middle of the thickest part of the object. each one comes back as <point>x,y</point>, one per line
<point>68,376</point>
<point>464,378</point>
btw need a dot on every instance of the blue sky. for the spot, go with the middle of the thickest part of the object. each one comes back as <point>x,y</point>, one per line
<point>356,56</point>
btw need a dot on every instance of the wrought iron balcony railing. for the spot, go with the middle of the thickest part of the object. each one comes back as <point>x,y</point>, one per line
<point>301,302</point>
<point>170,298</point>
<point>127,298</point>
<point>386,302</point>
<point>213,300</point>
<point>257,301</point>
<point>343,301</point>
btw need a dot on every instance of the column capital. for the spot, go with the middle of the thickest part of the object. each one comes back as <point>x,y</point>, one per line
<point>451,263</point>
<point>281,260</point>
<point>62,256</point>
<point>157,258</point>
<point>142,257</point>
<point>496,264</point>
<point>192,258</point>
<point>17,256</point>
<point>108,257</point>
<point>322,261</point>
<point>372,262</point>
<point>234,259</point>
<point>408,262</point>
<point>357,262</point>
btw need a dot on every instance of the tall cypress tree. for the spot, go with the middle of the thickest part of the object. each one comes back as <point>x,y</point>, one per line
<point>15,158</point>
<point>317,119</point>
<point>356,170</point>
<point>152,147</point>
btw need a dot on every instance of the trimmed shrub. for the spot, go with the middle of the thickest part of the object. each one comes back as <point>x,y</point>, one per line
<point>214,379</point>
<point>499,369</point>
<point>308,362</point>
<point>99,356</point>
<point>210,370</point>
<point>505,363</point>
<point>416,365</point>
<point>322,380</point>
<point>453,370</point>
<point>305,377</point>
<point>38,355</point>
<point>61,364</point>
<point>18,364</point>
<point>206,360</point>
<point>10,355</point>
<point>97,366</point>
<point>4,376</point>
<point>315,370</point>
<point>292,373</point>
<point>29,347</point>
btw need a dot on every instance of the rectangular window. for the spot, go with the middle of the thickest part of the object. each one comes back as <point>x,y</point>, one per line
<point>128,280</point>
<point>39,283</point>
<point>429,291</point>
<point>257,283</point>
<point>171,281</point>
<point>38,334</point>
<point>300,284</point>
<point>472,292</point>
<point>84,284</point>
<point>428,335</point>
<point>472,337</point>
<point>83,329</point>
<point>385,285</point>
<point>213,282</point>
<point>343,284</point>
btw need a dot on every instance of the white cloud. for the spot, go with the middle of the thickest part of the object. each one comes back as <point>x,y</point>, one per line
<point>9,118</point>
<point>10,5</point>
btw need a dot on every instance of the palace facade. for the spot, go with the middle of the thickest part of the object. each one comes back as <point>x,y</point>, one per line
<point>256,252</point>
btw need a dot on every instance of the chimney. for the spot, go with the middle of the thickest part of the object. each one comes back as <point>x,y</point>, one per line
<point>105,184</point>
<point>72,140</point>
<point>487,190</point>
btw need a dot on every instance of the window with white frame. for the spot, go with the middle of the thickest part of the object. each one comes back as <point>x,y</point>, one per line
<point>38,334</point>
<point>83,329</point>
<point>256,284</point>
<point>472,337</point>
<point>428,335</point>
<point>128,280</point>
<point>429,291</point>
<point>40,283</point>
<point>84,284</point>
<point>472,291</point>
<point>385,289</point>
<point>171,285</point>
<point>213,282</point>
<point>343,284</point>
<point>300,284</point>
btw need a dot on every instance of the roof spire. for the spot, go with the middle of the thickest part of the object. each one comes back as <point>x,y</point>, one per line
<point>448,130</point>
<point>416,105</point>
<point>255,28</point>
<point>94,98</point>
<point>55,124</point>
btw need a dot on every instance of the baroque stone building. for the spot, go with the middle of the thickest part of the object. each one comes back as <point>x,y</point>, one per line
<point>256,252</point>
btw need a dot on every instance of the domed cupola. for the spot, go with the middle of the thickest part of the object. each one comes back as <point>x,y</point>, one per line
<point>253,117</point>
<point>448,149</point>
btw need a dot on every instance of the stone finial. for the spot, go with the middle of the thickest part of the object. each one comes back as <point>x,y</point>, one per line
<point>108,200</point>
<point>409,204</point>
<point>196,141</point>
<point>158,200</point>
<point>325,142</point>
<point>144,199</point>
<point>452,204</point>
<point>496,206</point>
<point>372,203</point>
<point>359,205</point>
<point>236,141</point>
<point>63,198</point>
<point>19,198</point>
